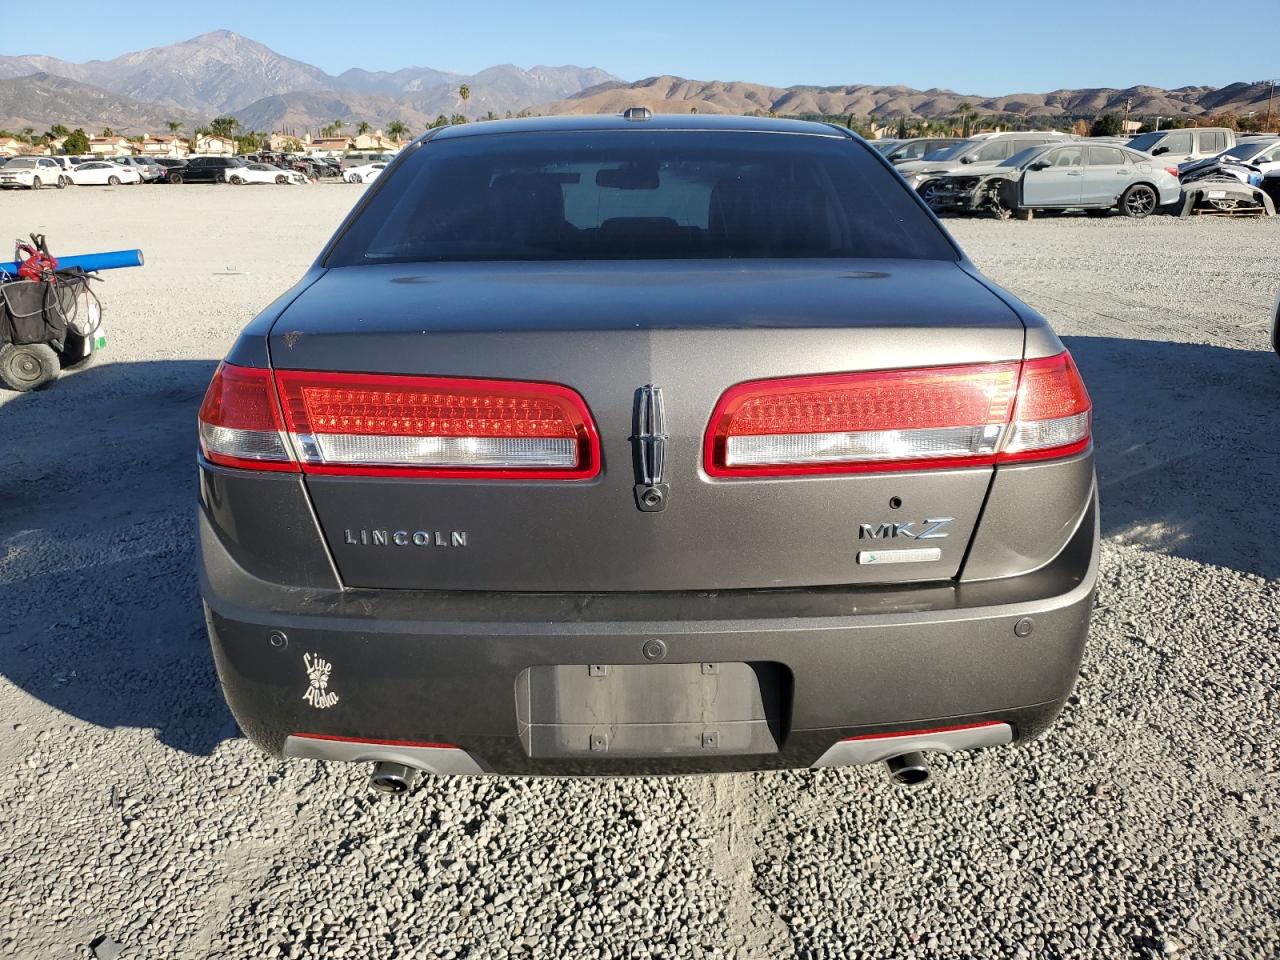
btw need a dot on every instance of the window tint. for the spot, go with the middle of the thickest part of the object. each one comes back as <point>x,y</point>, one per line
<point>950,151</point>
<point>1106,157</point>
<point>1212,141</point>
<point>992,150</point>
<point>1021,157</point>
<point>634,195</point>
<point>1066,157</point>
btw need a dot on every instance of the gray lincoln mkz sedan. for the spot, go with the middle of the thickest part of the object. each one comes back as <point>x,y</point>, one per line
<point>620,445</point>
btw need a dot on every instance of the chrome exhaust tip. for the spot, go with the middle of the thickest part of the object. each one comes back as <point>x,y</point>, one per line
<point>392,778</point>
<point>908,769</point>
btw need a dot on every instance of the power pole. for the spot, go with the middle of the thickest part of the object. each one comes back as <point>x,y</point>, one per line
<point>1125,128</point>
<point>1270,99</point>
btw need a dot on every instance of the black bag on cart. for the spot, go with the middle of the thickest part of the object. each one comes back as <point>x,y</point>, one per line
<point>33,312</point>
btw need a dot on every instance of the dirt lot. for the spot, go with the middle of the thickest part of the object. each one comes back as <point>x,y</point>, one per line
<point>1147,823</point>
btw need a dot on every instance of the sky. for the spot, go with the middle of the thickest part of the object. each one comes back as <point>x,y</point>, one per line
<point>952,45</point>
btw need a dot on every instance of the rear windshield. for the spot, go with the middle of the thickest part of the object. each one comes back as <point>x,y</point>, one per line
<point>636,195</point>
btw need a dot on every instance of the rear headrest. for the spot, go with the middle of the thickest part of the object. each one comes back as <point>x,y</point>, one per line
<point>528,206</point>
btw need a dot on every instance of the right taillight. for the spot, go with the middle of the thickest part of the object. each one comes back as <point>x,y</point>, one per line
<point>1052,412</point>
<point>893,420</point>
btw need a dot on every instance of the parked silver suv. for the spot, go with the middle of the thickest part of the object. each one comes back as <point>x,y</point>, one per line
<point>985,148</point>
<point>1180,146</point>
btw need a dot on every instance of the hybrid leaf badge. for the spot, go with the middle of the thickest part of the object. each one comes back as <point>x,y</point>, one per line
<point>650,447</point>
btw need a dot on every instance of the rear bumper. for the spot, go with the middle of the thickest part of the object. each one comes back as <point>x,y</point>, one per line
<point>415,674</point>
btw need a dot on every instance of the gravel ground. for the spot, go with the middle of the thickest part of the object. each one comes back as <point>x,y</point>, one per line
<point>1146,823</point>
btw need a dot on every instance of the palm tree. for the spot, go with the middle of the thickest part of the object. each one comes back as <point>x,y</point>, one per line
<point>174,126</point>
<point>363,128</point>
<point>396,129</point>
<point>491,116</point>
<point>336,127</point>
<point>464,92</point>
<point>108,132</point>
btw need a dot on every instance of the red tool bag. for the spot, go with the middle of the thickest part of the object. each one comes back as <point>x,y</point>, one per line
<point>39,265</point>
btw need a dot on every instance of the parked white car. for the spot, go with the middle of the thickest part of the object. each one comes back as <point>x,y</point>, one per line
<point>98,173</point>
<point>365,173</point>
<point>31,173</point>
<point>263,173</point>
<point>148,169</point>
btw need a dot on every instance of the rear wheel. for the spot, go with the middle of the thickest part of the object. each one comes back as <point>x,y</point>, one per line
<point>36,183</point>
<point>354,178</point>
<point>282,179</point>
<point>1138,201</point>
<point>62,182</point>
<point>27,366</point>
<point>175,178</point>
<point>237,179</point>
<point>113,180</point>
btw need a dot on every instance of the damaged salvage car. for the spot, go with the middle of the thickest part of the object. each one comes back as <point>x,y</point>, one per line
<point>1076,176</point>
<point>630,445</point>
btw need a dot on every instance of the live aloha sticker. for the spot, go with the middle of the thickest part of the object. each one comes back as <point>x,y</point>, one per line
<point>318,693</point>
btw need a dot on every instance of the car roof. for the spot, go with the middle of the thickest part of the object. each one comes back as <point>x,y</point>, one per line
<point>658,121</point>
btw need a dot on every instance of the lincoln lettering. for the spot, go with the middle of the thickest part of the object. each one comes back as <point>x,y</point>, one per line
<point>405,538</point>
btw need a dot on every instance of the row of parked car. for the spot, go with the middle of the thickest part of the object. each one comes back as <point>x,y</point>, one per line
<point>38,172</point>
<point>1016,174</point>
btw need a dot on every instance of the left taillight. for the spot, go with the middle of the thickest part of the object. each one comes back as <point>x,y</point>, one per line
<point>240,424</point>
<point>389,425</point>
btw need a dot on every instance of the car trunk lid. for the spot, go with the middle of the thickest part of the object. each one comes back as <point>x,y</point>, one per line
<point>607,330</point>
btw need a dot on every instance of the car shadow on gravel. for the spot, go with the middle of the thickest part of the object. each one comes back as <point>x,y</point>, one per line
<point>1187,446</point>
<point>99,615</point>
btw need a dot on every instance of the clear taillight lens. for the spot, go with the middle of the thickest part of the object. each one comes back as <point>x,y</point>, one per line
<point>391,425</point>
<point>921,419</point>
<point>240,423</point>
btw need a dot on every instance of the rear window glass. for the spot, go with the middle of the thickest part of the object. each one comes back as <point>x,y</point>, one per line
<point>633,195</point>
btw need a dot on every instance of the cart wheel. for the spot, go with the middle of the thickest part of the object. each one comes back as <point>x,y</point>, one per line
<point>27,366</point>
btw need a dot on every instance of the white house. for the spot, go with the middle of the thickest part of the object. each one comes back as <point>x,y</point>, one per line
<point>110,147</point>
<point>214,145</point>
<point>167,146</point>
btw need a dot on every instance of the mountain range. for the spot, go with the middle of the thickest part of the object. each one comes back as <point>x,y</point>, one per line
<point>669,94</point>
<point>224,73</point>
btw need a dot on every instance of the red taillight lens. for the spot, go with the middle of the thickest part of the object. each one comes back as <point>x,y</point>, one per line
<point>1052,415</point>
<point>388,425</point>
<point>240,422</point>
<point>899,420</point>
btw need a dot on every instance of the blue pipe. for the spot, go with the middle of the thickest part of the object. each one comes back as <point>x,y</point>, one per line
<point>113,260</point>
